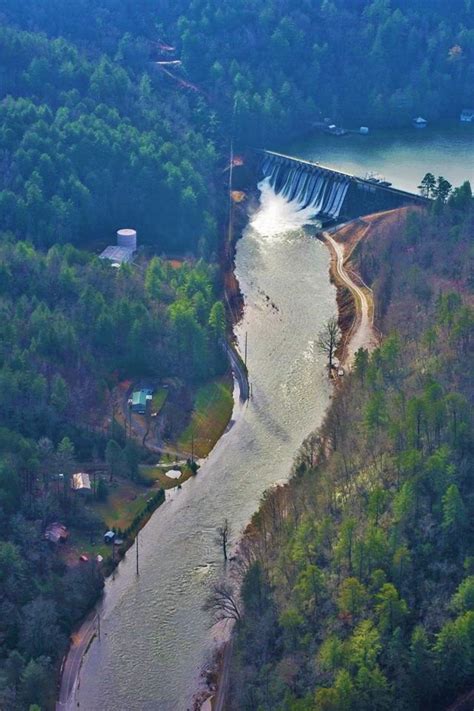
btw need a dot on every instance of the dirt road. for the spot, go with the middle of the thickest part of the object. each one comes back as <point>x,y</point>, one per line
<point>362,333</point>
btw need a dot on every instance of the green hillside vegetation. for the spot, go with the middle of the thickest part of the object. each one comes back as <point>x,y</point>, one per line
<point>71,327</point>
<point>282,64</point>
<point>360,575</point>
<point>89,145</point>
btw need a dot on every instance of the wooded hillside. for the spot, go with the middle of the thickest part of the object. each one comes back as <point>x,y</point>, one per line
<point>359,591</point>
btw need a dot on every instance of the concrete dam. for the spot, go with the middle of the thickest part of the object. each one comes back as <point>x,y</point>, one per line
<point>331,195</point>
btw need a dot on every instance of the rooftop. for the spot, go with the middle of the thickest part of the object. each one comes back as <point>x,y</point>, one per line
<point>56,532</point>
<point>139,397</point>
<point>80,481</point>
<point>117,255</point>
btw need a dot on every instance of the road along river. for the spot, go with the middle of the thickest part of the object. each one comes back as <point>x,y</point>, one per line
<point>154,635</point>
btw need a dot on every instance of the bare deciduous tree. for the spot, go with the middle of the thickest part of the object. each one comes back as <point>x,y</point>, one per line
<point>328,339</point>
<point>223,537</point>
<point>222,602</point>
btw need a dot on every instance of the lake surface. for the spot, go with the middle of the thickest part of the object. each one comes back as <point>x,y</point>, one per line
<point>155,637</point>
<point>402,157</point>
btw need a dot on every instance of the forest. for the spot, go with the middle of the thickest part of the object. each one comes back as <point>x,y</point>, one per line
<point>90,145</point>
<point>359,580</point>
<point>89,141</point>
<point>274,68</point>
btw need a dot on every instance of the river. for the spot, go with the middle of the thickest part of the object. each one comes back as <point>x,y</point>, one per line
<point>155,637</point>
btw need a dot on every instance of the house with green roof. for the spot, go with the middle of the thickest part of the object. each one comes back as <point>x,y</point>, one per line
<point>139,400</point>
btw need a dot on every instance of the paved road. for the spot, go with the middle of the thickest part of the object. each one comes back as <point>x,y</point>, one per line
<point>219,701</point>
<point>80,640</point>
<point>239,371</point>
<point>362,334</point>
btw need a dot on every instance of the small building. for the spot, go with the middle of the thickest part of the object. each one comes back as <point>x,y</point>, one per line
<point>139,401</point>
<point>420,122</point>
<point>117,255</point>
<point>123,251</point>
<point>56,533</point>
<point>81,482</point>
<point>109,537</point>
<point>467,116</point>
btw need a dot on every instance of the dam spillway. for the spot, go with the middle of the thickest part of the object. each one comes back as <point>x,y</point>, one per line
<point>309,186</point>
<point>330,195</point>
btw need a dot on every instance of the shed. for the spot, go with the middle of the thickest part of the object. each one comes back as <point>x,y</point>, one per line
<point>117,255</point>
<point>81,482</point>
<point>139,400</point>
<point>56,533</point>
<point>109,537</point>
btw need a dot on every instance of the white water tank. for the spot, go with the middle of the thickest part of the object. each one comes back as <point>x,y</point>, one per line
<point>127,238</point>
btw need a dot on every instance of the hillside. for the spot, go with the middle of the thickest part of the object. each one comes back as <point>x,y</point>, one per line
<point>281,65</point>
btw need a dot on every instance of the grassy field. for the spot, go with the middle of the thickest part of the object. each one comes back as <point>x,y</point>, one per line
<point>158,474</point>
<point>158,399</point>
<point>211,413</point>
<point>125,500</point>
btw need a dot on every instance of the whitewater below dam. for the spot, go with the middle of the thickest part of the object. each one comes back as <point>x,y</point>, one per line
<point>155,638</point>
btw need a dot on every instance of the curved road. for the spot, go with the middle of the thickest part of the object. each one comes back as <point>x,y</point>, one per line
<point>239,371</point>
<point>80,640</point>
<point>362,334</point>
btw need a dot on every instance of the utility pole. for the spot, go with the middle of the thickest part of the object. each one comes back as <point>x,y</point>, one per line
<point>245,350</point>
<point>98,626</point>
<point>136,550</point>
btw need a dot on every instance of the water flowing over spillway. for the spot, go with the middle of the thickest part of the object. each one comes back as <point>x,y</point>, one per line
<point>155,636</point>
<point>309,188</point>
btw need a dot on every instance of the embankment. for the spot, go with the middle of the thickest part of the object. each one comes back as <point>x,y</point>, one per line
<point>355,299</point>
